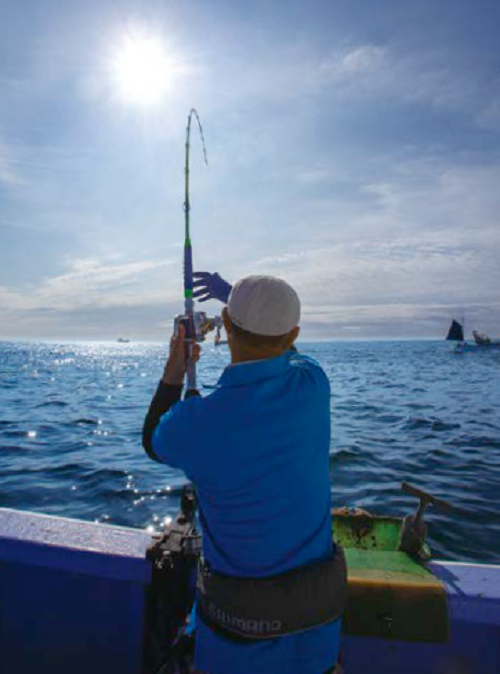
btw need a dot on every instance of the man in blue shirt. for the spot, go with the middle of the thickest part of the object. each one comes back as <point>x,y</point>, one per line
<point>257,449</point>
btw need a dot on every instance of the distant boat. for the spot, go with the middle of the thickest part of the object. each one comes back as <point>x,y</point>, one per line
<point>456,332</point>
<point>123,340</point>
<point>485,341</point>
<point>481,343</point>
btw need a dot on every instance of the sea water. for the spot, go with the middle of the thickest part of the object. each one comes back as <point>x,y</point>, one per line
<point>71,416</point>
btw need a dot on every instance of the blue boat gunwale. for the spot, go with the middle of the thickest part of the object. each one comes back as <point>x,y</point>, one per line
<point>79,546</point>
<point>118,552</point>
<point>473,590</point>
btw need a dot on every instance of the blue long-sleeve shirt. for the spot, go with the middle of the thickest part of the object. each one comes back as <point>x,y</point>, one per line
<point>257,449</point>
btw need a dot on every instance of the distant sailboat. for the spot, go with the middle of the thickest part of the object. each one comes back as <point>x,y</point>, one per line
<point>456,332</point>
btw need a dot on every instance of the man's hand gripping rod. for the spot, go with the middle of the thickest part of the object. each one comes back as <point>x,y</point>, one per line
<point>196,325</point>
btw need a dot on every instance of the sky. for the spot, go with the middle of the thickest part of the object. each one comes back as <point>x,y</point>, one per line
<point>353,147</point>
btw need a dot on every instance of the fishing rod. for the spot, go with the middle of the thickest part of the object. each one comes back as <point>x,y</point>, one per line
<point>196,323</point>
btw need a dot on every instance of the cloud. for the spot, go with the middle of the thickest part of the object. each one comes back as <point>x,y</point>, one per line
<point>35,173</point>
<point>10,177</point>
<point>489,116</point>
<point>365,236</point>
<point>421,248</point>
<point>96,298</point>
<point>91,282</point>
<point>316,176</point>
<point>405,321</point>
<point>424,249</point>
<point>357,62</point>
<point>433,78</point>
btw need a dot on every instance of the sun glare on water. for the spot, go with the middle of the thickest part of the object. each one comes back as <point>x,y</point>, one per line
<point>143,70</point>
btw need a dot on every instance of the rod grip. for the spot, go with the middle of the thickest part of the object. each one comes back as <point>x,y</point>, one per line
<point>190,369</point>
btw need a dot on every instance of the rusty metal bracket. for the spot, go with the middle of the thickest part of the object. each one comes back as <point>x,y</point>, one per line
<point>414,529</point>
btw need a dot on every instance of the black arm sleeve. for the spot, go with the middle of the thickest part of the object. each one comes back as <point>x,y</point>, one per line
<point>166,395</point>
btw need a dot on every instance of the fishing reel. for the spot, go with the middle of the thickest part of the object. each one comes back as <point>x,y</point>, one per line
<point>198,325</point>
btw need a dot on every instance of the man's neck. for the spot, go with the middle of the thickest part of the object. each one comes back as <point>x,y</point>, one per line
<point>247,355</point>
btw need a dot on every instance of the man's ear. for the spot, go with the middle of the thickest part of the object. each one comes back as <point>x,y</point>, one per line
<point>291,337</point>
<point>227,321</point>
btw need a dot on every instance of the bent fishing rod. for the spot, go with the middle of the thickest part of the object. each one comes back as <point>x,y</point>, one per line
<point>196,323</point>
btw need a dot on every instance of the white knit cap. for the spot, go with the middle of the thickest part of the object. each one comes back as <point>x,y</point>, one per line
<point>264,305</point>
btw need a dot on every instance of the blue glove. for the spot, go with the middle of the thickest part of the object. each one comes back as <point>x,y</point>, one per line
<point>209,286</point>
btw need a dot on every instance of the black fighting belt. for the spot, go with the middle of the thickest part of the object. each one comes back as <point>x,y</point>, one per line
<point>265,608</point>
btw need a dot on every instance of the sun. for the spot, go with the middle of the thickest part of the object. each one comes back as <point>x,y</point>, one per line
<point>142,70</point>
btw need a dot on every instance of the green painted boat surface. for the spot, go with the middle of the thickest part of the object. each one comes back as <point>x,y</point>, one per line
<point>391,595</point>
